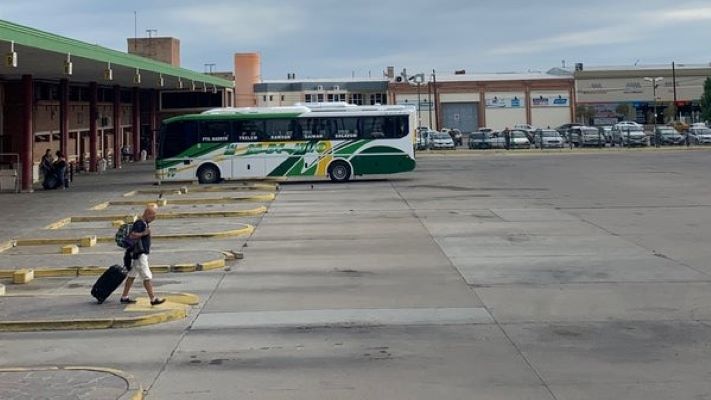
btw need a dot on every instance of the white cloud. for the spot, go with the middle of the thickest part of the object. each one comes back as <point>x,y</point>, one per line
<point>628,29</point>
<point>234,22</point>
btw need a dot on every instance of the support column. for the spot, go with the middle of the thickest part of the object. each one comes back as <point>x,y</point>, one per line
<point>27,141</point>
<point>154,121</point>
<point>118,135</point>
<point>482,107</point>
<point>529,117</point>
<point>64,117</point>
<point>93,132</point>
<point>136,125</point>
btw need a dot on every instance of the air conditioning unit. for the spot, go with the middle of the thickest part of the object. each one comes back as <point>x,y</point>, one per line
<point>578,66</point>
<point>399,79</point>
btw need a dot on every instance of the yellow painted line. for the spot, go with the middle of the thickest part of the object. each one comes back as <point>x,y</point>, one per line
<point>59,224</point>
<point>100,218</point>
<point>211,265</point>
<point>214,214</point>
<point>129,194</point>
<point>207,200</point>
<point>100,206</point>
<point>248,229</point>
<point>7,245</point>
<point>143,304</point>
<point>184,268</point>
<point>100,323</point>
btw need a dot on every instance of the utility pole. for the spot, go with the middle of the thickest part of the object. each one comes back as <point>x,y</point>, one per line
<point>655,84</point>
<point>429,104</point>
<point>434,89</point>
<point>678,113</point>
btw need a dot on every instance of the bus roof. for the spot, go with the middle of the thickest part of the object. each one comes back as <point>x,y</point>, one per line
<point>298,110</point>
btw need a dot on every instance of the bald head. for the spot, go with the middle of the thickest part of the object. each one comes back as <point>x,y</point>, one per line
<point>149,214</point>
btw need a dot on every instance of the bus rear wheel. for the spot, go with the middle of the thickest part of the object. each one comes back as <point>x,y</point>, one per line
<point>339,171</point>
<point>208,174</point>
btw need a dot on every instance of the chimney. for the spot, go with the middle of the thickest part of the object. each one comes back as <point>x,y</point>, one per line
<point>165,49</point>
<point>390,74</point>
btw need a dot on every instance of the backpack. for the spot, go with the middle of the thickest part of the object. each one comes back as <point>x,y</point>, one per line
<point>122,237</point>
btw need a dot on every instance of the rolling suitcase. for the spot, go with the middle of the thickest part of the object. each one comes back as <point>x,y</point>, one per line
<point>108,282</point>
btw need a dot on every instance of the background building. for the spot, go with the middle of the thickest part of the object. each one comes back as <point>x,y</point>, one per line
<point>609,90</point>
<point>291,91</point>
<point>497,101</point>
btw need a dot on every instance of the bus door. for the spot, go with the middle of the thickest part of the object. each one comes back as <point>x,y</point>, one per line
<point>248,161</point>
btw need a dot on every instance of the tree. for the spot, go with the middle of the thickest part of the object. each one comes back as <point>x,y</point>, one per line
<point>670,113</point>
<point>706,101</point>
<point>585,113</point>
<point>626,110</point>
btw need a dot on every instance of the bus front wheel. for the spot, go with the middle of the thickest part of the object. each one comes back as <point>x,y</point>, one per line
<point>208,174</point>
<point>339,171</point>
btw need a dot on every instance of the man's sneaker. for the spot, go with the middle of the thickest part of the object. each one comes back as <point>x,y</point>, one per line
<point>127,300</point>
<point>157,301</point>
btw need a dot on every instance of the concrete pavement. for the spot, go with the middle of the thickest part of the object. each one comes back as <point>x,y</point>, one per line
<point>490,277</point>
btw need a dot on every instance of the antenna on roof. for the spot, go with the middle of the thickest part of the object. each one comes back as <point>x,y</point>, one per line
<point>636,62</point>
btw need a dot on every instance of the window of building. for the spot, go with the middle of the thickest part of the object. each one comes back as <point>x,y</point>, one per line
<point>271,97</point>
<point>264,98</point>
<point>282,97</point>
<point>378,98</point>
<point>319,97</point>
<point>356,98</point>
<point>309,98</point>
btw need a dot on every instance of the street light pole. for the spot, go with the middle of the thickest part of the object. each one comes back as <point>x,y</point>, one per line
<point>654,93</point>
<point>418,79</point>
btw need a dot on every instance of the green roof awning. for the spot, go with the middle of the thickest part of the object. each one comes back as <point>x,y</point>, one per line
<point>43,54</point>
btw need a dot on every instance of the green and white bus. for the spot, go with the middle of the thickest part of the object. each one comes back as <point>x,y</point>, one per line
<point>322,139</point>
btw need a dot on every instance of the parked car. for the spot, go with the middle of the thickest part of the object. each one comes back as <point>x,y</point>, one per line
<point>625,134</point>
<point>563,129</point>
<point>547,138</point>
<point>519,139</point>
<point>479,140</point>
<point>606,132</point>
<point>442,141</point>
<point>581,136</point>
<point>700,135</point>
<point>530,129</point>
<point>456,135</point>
<point>667,135</point>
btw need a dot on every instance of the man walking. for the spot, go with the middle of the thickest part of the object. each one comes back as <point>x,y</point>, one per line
<point>138,255</point>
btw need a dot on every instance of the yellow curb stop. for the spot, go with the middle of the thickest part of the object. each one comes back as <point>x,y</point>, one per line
<point>23,276</point>
<point>88,241</point>
<point>69,249</point>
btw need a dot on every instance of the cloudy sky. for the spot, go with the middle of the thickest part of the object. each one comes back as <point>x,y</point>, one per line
<point>340,38</point>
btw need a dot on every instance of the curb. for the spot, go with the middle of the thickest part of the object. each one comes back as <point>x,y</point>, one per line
<point>205,200</point>
<point>167,215</point>
<point>63,272</point>
<point>99,323</point>
<point>248,229</point>
<point>226,188</point>
<point>134,391</point>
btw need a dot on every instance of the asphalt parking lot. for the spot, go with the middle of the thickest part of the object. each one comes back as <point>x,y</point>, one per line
<point>487,276</point>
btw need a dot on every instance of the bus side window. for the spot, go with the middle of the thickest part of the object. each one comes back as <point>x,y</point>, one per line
<point>279,129</point>
<point>249,131</point>
<point>374,127</point>
<point>215,131</point>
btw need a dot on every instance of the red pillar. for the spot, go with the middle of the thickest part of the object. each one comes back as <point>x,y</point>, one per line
<point>118,135</point>
<point>93,132</point>
<point>154,121</point>
<point>64,116</point>
<point>136,126</point>
<point>27,132</point>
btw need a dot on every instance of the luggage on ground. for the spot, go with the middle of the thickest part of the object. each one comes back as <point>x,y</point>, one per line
<point>108,282</point>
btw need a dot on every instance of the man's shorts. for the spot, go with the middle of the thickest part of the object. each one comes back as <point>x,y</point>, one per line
<point>139,267</point>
